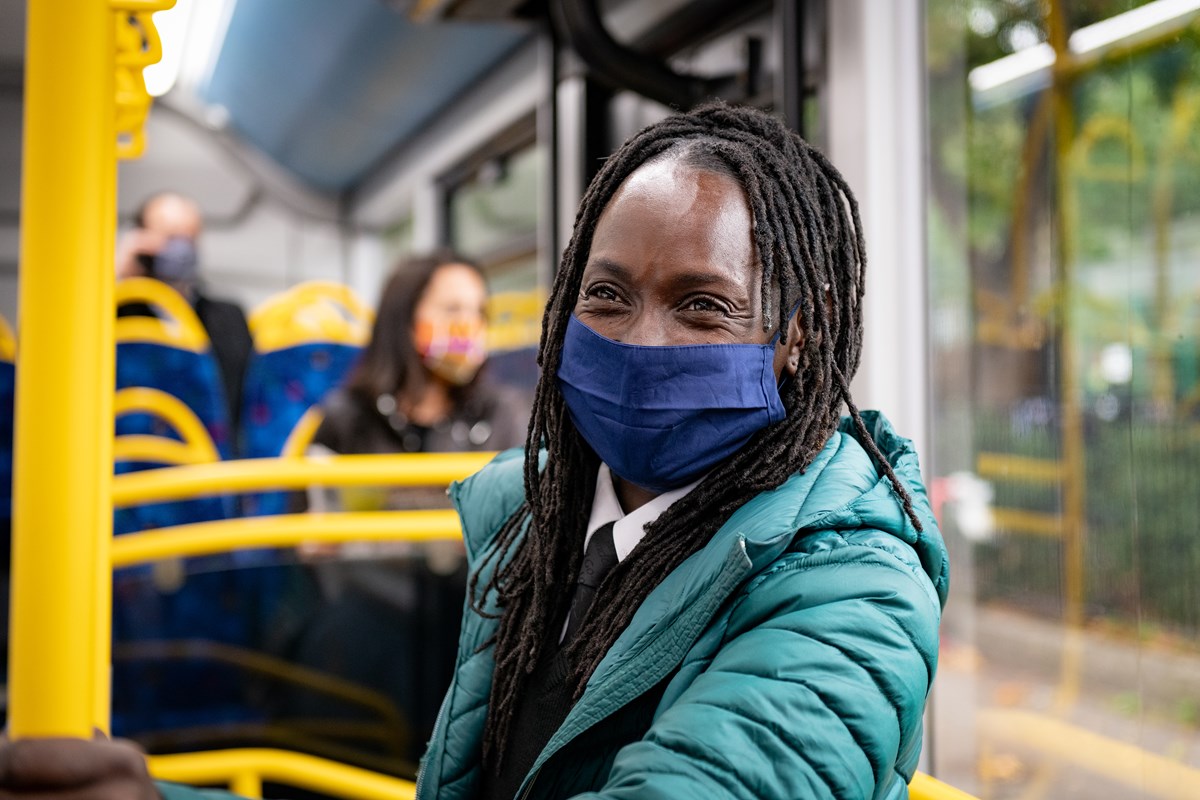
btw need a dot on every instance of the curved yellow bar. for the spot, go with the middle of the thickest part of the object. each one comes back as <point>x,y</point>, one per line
<point>181,328</point>
<point>138,42</point>
<point>285,530</point>
<point>159,450</point>
<point>244,771</point>
<point>241,769</point>
<point>925,787</point>
<point>302,433</point>
<point>197,446</point>
<point>8,342</point>
<point>141,5</point>
<point>314,311</point>
<point>515,319</point>
<point>257,474</point>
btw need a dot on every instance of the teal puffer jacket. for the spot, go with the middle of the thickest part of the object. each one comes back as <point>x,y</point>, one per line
<point>797,649</point>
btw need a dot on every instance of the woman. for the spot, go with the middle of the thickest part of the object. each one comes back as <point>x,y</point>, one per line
<point>390,612</point>
<point>417,387</point>
<point>769,628</point>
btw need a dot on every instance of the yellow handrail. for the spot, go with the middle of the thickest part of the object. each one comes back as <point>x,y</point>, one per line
<point>64,389</point>
<point>8,342</point>
<point>259,474</point>
<point>245,770</point>
<point>180,328</point>
<point>302,433</point>
<point>314,311</point>
<point>196,448</point>
<point>286,530</point>
<point>926,787</point>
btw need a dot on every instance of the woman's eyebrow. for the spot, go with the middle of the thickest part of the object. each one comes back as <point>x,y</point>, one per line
<point>707,280</point>
<point>613,268</point>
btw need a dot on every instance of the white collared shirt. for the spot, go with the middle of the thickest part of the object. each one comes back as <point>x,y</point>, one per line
<point>628,529</point>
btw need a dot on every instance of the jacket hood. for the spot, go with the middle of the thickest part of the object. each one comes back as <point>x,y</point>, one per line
<point>867,499</point>
<point>841,490</point>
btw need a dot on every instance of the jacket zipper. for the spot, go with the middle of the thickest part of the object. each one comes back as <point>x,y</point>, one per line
<point>529,786</point>
<point>437,728</point>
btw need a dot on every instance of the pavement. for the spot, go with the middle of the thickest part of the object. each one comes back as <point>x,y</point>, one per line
<point>1025,709</point>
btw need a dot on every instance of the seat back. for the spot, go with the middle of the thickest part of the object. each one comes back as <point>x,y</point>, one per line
<point>169,352</point>
<point>204,598</point>
<point>306,340</point>
<point>183,440</point>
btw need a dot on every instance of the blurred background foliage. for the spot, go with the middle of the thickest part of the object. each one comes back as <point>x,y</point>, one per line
<point>1004,214</point>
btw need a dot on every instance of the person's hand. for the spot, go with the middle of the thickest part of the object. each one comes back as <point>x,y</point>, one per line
<point>138,241</point>
<point>74,769</point>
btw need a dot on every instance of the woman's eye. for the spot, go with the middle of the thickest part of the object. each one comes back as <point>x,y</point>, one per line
<point>703,304</point>
<point>600,293</point>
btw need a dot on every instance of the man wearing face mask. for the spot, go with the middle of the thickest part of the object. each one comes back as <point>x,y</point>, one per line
<point>162,246</point>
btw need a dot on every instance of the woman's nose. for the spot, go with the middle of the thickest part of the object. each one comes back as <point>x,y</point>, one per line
<point>649,329</point>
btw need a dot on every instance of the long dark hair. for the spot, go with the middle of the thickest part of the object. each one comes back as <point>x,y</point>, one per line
<point>390,363</point>
<point>809,239</point>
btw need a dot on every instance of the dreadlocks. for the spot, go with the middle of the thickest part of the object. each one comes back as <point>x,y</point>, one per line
<point>809,240</point>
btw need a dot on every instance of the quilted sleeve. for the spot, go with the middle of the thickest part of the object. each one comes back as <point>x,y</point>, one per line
<point>817,690</point>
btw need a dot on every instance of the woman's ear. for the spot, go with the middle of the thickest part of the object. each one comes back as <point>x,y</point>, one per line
<point>789,352</point>
<point>794,339</point>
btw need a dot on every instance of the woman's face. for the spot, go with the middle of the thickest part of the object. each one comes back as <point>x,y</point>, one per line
<point>673,262</point>
<point>449,324</point>
<point>456,295</point>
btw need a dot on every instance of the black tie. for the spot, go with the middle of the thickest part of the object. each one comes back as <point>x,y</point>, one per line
<point>599,557</point>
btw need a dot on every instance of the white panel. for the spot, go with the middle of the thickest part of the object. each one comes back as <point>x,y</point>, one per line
<point>320,255</point>
<point>10,156</point>
<point>242,262</point>
<point>182,158</point>
<point>570,155</point>
<point>876,138</point>
<point>368,267</point>
<point>8,298</point>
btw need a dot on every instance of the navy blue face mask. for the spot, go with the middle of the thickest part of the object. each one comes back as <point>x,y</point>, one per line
<point>662,416</point>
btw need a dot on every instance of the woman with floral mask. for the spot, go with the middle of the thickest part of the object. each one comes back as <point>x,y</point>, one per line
<point>390,612</point>
<point>418,386</point>
<point>698,580</point>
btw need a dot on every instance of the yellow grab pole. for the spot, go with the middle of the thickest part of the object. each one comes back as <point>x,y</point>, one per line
<point>61,485</point>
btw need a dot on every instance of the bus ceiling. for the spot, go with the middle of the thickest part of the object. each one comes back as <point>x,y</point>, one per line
<point>330,90</point>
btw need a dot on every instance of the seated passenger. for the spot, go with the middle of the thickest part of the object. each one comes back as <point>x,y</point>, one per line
<point>420,385</point>
<point>163,245</point>
<point>390,614</point>
<point>696,582</point>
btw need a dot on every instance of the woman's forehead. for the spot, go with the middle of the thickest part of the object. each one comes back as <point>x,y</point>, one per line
<point>670,216</point>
